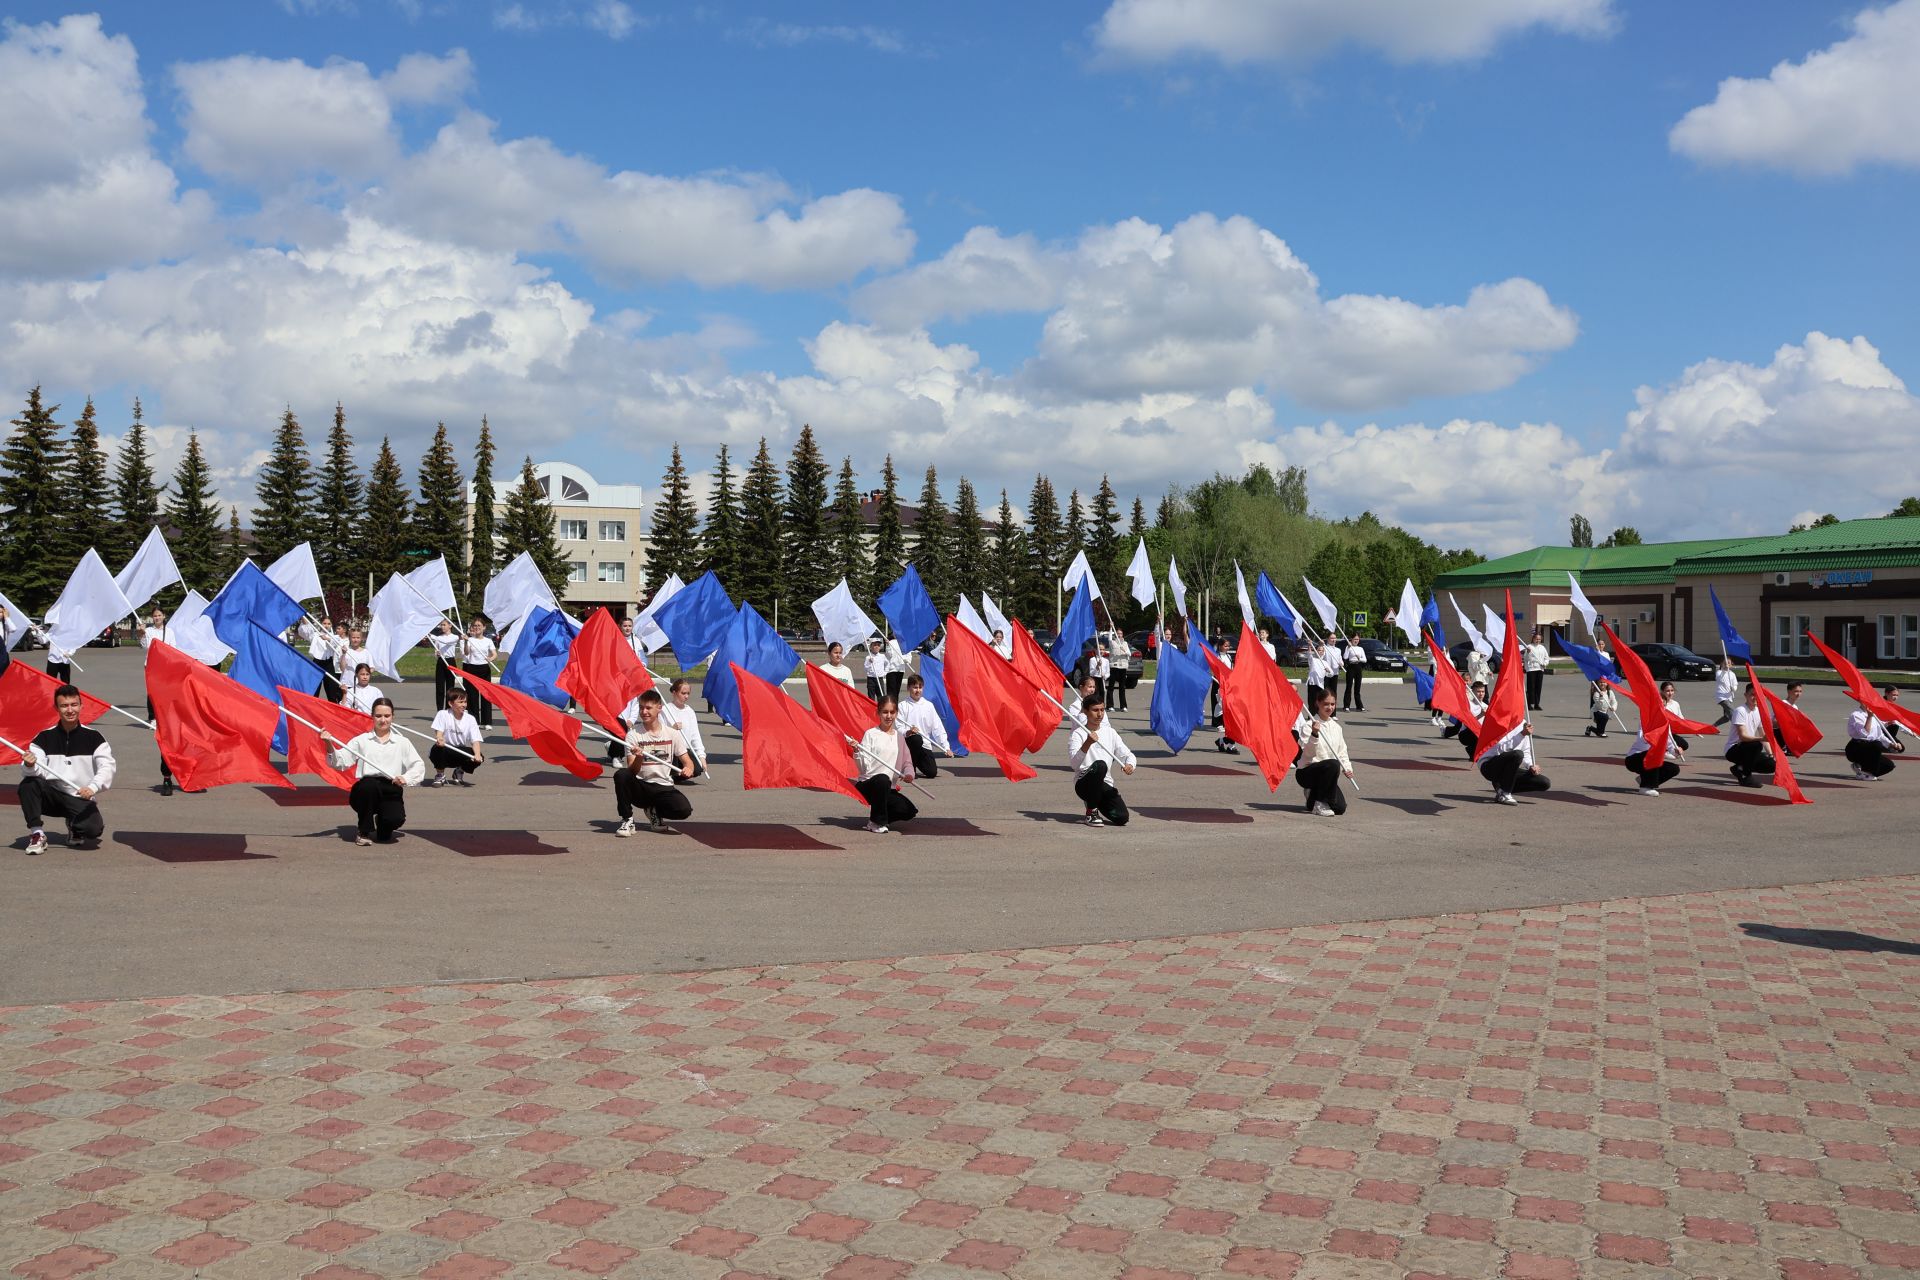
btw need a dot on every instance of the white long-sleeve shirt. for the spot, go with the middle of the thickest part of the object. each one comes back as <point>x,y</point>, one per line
<point>362,697</point>
<point>1726,684</point>
<point>920,714</point>
<point>446,646</point>
<point>683,719</point>
<point>876,666</point>
<point>839,671</point>
<point>394,758</point>
<point>882,748</point>
<point>1517,740</point>
<point>1534,657</point>
<point>1106,745</point>
<point>1864,726</point>
<point>1330,745</point>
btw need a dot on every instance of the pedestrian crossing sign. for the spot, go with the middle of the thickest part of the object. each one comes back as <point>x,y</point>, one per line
<point>1359,617</point>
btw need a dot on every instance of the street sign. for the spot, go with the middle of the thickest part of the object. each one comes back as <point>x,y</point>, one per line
<point>1359,617</point>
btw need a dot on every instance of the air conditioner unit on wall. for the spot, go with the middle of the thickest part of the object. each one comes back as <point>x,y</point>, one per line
<point>1782,579</point>
<point>1646,615</point>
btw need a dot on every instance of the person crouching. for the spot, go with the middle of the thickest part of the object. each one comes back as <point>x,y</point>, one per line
<point>655,750</point>
<point>386,764</point>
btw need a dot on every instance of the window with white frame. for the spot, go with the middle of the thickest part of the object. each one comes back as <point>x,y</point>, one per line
<point>576,571</point>
<point>613,571</point>
<point>1783,635</point>
<point>613,531</point>
<point>576,530</point>
<point>1910,637</point>
<point>1803,628</point>
<point>1888,635</point>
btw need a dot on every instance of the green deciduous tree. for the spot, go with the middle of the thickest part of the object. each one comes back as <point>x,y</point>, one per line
<point>84,494</point>
<point>136,497</point>
<point>483,544</point>
<point>1624,536</point>
<point>339,510</point>
<point>384,534</point>
<point>675,530</point>
<point>194,517</point>
<point>889,542</point>
<point>1818,522</point>
<point>30,497</point>
<point>809,573</point>
<point>440,514</point>
<point>1908,509</point>
<point>527,524</point>
<point>283,496</point>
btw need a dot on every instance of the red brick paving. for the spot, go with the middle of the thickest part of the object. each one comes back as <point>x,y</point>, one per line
<point>1614,1089</point>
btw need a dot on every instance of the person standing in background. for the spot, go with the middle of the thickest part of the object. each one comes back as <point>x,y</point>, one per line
<point>1354,658</point>
<point>476,659</point>
<point>1121,655</point>
<point>1726,688</point>
<point>1533,660</point>
<point>446,653</point>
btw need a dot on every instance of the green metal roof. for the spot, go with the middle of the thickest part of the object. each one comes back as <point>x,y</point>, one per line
<point>1594,566</point>
<point>1851,544</point>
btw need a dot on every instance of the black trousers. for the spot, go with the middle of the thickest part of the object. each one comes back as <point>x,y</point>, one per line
<point>1321,782</point>
<point>925,763</point>
<point>1652,779</point>
<point>894,680</point>
<point>380,804</point>
<point>1870,756</point>
<point>875,688</point>
<point>1098,794</point>
<point>1470,740</point>
<point>1600,719</point>
<point>38,797</point>
<point>1507,772</point>
<point>331,685</point>
<point>1750,757</point>
<point>165,772</point>
<point>1536,684</point>
<point>442,681</point>
<point>886,806</point>
<point>61,671</point>
<point>1353,699</point>
<point>630,792</point>
<point>1117,691</point>
<point>447,758</point>
<point>478,707</point>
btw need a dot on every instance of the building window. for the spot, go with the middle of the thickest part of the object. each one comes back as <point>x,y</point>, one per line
<point>571,530</point>
<point>1804,629</point>
<point>613,571</point>
<point>1910,636</point>
<point>1783,635</point>
<point>613,531</point>
<point>576,571</point>
<point>1888,634</point>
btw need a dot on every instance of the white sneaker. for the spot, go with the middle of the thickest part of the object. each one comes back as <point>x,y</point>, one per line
<point>625,829</point>
<point>1649,791</point>
<point>36,844</point>
<point>363,840</point>
<point>1322,811</point>
<point>439,779</point>
<point>876,828</point>
<point>1095,820</point>
<point>459,778</point>
<point>1502,797</point>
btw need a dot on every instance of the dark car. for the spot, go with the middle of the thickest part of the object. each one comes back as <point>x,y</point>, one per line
<point>1144,642</point>
<point>1459,651</point>
<point>1382,656</point>
<point>1674,662</point>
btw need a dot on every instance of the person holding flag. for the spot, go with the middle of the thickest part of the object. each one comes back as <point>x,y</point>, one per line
<point>1510,767</point>
<point>363,692</point>
<point>1477,704</point>
<point>67,767</point>
<point>885,762</point>
<point>1119,654</point>
<point>677,714</point>
<point>836,664</point>
<point>1869,740</point>
<point>1354,658</point>
<point>1323,745</point>
<point>1604,704</point>
<point>925,733</point>
<point>1534,660</point>
<point>1094,750</point>
<point>1726,687</point>
<point>456,742</point>
<point>157,629</point>
<point>476,659</point>
<point>445,642</point>
<point>384,764</point>
<point>1651,780</point>
<point>655,753</point>
<point>1746,746</point>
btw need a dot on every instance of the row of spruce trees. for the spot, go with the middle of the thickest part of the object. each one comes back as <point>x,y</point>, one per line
<point>61,494</point>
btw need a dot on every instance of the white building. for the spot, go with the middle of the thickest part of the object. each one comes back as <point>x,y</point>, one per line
<point>600,528</point>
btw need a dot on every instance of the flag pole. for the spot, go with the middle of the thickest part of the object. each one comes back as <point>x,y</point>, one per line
<point>443,613</point>
<point>427,737</point>
<point>889,768</point>
<point>25,758</point>
<point>618,741</point>
<point>40,634</point>
<point>328,737</point>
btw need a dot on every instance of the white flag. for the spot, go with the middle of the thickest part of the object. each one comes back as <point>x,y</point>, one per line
<point>1408,616</point>
<point>434,582</point>
<point>193,633</point>
<point>1496,628</point>
<point>1077,570</point>
<point>995,619</point>
<point>1584,605</point>
<point>841,620</point>
<point>89,605</point>
<point>1176,588</point>
<point>295,574</point>
<point>1140,570</point>
<point>645,629</point>
<point>1329,616</point>
<point>1473,633</point>
<point>150,572</point>
<point>401,620</point>
<point>515,590</point>
<point>17,623</point>
<point>1240,588</point>
<point>969,617</point>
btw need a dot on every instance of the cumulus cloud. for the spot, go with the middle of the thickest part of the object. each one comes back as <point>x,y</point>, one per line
<point>1856,102</point>
<point>1298,31</point>
<point>1215,303</point>
<point>80,188</point>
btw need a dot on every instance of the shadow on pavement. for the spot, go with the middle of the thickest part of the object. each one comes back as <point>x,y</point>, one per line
<point>1420,808</point>
<point>1202,770</point>
<point>548,779</point>
<point>1734,793</point>
<point>490,844</point>
<point>1424,766</point>
<point>1193,815</point>
<point>1829,939</point>
<point>179,847</point>
<point>733,836</point>
<point>304,797</point>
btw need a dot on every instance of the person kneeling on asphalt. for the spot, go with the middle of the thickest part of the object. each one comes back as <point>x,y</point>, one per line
<point>1869,741</point>
<point>67,767</point>
<point>1746,748</point>
<point>1094,749</point>
<point>386,764</point>
<point>1509,766</point>
<point>456,742</point>
<point>1323,750</point>
<point>654,751</point>
<point>1651,780</point>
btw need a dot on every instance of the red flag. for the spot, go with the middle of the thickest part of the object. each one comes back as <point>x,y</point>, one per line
<point>305,752</point>
<point>1797,733</point>
<point>840,705</point>
<point>212,731</point>
<point>1782,771</point>
<point>1654,726</point>
<point>1862,691</point>
<point>1035,666</point>
<point>26,706</point>
<point>782,744</point>
<point>554,735</point>
<point>1507,704</point>
<point>1261,707</point>
<point>603,673</point>
<point>1450,693</point>
<point>993,703</point>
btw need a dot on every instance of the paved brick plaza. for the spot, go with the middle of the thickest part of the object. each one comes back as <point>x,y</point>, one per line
<point>1631,1088</point>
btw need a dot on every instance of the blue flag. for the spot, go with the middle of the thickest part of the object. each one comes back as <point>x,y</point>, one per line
<point>1075,630</point>
<point>1592,663</point>
<point>934,672</point>
<point>539,655</point>
<point>1267,596</point>
<point>1729,638</point>
<point>250,596</point>
<point>695,619</point>
<point>1180,685</point>
<point>758,648</point>
<point>263,662</point>
<point>1430,621</point>
<point>909,609</point>
<point>1422,686</point>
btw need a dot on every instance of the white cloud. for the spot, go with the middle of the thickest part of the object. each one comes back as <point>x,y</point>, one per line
<point>424,78</point>
<point>264,120</point>
<point>1856,102</point>
<point>1214,303</point>
<point>764,33</point>
<point>614,19</point>
<point>1298,31</point>
<point>80,188</point>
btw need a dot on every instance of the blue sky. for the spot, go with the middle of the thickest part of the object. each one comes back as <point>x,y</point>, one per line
<point>1390,168</point>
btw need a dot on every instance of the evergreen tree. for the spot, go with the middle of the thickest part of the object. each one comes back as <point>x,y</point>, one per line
<point>849,531</point>
<point>528,525</point>
<point>483,554</point>
<point>234,549</point>
<point>1046,558</point>
<point>1009,556</point>
<point>932,543</point>
<point>1076,527</point>
<point>383,541</point>
<point>809,573</point>
<point>1167,513</point>
<point>339,505</point>
<point>194,517</point>
<point>1137,527</point>
<point>30,497</point>
<point>676,534</point>
<point>89,515</point>
<point>283,498</point>
<point>440,515</point>
<point>759,568</point>
<point>720,538</point>
<point>1103,534</point>
<point>136,498</point>
<point>970,565</point>
<point>889,543</point>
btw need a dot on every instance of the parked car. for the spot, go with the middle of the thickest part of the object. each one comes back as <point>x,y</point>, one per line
<point>1674,662</point>
<point>1459,651</point>
<point>1144,642</point>
<point>1382,656</point>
